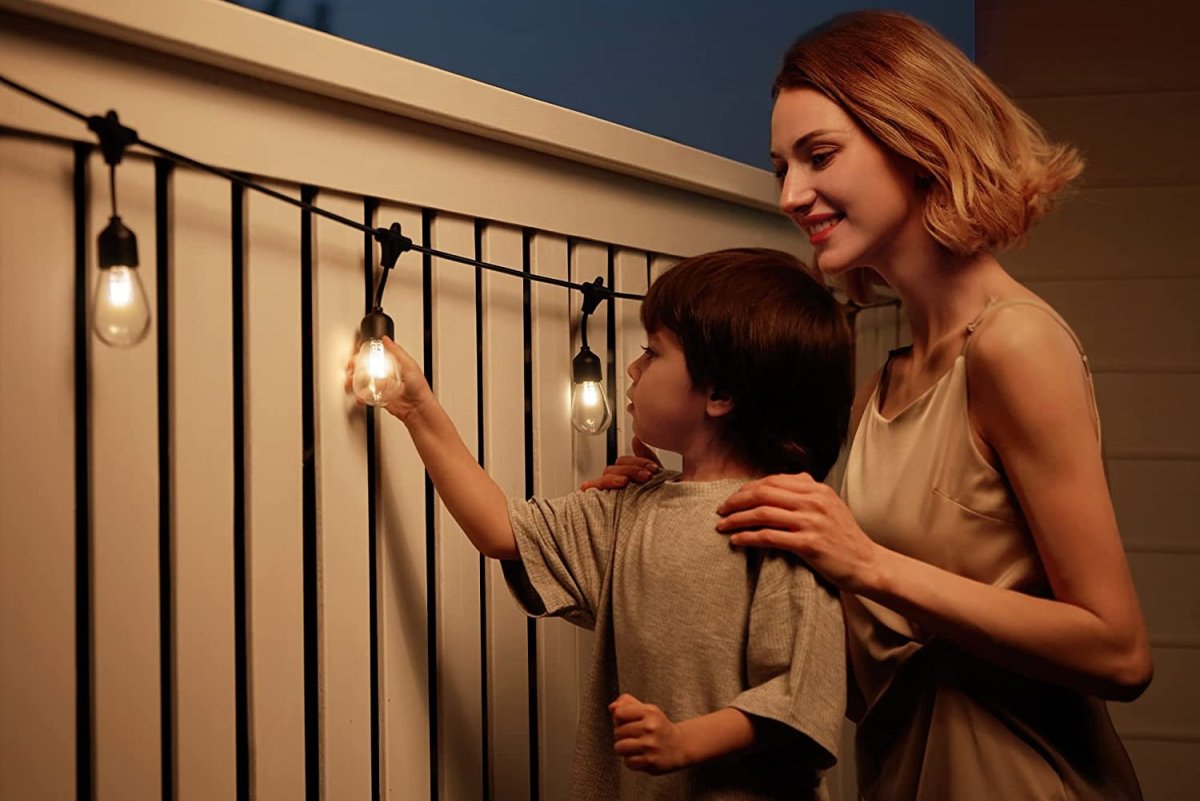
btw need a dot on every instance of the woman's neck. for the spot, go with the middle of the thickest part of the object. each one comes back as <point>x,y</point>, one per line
<point>942,292</point>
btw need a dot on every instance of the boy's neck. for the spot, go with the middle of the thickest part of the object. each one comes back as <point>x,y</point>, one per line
<point>714,465</point>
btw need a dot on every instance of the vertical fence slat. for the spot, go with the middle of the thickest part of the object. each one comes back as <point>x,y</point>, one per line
<point>125,528</point>
<point>558,702</point>
<point>590,451</point>
<point>460,711</point>
<point>342,568</point>
<point>403,612</point>
<point>37,473</point>
<point>274,498</point>
<point>504,457</point>
<point>201,376</point>
<point>630,269</point>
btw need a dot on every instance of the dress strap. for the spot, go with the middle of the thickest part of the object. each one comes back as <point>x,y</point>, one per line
<point>992,305</point>
<point>1000,304</point>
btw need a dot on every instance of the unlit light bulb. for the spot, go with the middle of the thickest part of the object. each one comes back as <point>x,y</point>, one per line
<point>120,311</point>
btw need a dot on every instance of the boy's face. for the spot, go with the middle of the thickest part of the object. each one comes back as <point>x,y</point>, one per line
<point>667,409</point>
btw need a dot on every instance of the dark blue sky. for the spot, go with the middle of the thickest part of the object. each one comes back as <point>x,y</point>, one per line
<point>695,71</point>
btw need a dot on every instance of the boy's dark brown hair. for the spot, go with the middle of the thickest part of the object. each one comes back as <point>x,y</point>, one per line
<point>755,327</point>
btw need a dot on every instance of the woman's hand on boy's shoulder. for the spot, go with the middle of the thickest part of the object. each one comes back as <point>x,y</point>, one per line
<point>638,468</point>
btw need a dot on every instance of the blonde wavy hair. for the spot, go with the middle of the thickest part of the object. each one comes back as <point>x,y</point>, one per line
<point>991,172</point>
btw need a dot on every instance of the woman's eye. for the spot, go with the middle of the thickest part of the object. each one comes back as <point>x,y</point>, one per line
<point>780,171</point>
<point>821,159</point>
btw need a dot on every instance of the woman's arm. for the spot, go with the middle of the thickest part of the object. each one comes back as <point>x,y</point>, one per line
<point>1030,403</point>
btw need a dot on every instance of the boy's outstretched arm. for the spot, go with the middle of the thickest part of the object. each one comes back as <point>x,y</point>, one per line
<point>650,741</point>
<point>470,494</point>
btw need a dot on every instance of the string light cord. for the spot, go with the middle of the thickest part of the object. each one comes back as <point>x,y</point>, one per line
<point>114,138</point>
<point>385,236</point>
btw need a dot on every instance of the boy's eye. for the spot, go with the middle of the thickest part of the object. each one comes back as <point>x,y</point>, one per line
<point>648,352</point>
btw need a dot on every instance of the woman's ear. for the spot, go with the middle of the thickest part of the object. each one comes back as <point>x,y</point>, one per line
<point>719,404</point>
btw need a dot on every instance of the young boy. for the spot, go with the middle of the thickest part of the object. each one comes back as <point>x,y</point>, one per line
<point>718,673</point>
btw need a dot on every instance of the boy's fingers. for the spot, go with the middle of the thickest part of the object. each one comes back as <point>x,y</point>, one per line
<point>627,747</point>
<point>628,731</point>
<point>623,698</point>
<point>627,713</point>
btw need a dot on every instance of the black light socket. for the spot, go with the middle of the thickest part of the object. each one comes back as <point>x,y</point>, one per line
<point>377,325</point>
<point>586,366</point>
<point>118,245</point>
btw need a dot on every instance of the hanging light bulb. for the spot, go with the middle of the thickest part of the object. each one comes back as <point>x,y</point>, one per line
<point>376,373</point>
<point>589,403</point>
<point>120,311</point>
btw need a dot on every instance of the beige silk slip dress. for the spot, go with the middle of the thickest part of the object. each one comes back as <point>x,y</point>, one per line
<point>935,722</point>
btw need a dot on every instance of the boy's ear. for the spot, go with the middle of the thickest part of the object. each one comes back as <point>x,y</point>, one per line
<point>719,403</point>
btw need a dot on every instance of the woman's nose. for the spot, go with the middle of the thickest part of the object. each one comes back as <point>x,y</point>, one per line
<point>796,193</point>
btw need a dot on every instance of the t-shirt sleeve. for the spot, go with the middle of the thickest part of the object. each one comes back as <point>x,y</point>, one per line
<point>795,657</point>
<point>565,546</point>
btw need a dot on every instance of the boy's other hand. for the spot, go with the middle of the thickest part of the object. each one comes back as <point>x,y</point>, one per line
<point>637,468</point>
<point>415,389</point>
<point>645,738</point>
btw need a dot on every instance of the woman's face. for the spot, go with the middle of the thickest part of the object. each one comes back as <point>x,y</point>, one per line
<point>857,201</point>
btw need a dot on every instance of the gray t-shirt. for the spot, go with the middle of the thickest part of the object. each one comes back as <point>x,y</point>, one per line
<point>690,623</point>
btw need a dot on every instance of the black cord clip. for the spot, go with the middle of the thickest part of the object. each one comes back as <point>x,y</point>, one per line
<point>593,294</point>
<point>114,137</point>
<point>393,243</point>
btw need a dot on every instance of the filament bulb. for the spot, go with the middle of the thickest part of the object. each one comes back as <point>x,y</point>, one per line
<point>589,408</point>
<point>120,311</point>
<point>376,374</point>
<point>589,405</point>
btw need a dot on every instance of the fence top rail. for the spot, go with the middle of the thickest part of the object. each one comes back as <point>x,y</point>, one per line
<point>235,38</point>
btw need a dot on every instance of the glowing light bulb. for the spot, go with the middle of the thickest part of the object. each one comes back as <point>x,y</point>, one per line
<point>376,379</point>
<point>589,408</point>
<point>120,310</point>
<point>589,404</point>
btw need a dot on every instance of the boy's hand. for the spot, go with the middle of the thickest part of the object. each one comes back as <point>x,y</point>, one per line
<point>638,468</point>
<point>646,738</point>
<point>415,390</point>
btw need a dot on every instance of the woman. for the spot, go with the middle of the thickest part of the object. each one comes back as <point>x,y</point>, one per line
<point>989,606</point>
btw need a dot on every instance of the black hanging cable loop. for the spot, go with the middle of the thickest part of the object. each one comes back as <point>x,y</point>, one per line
<point>114,139</point>
<point>593,294</point>
<point>121,137</point>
